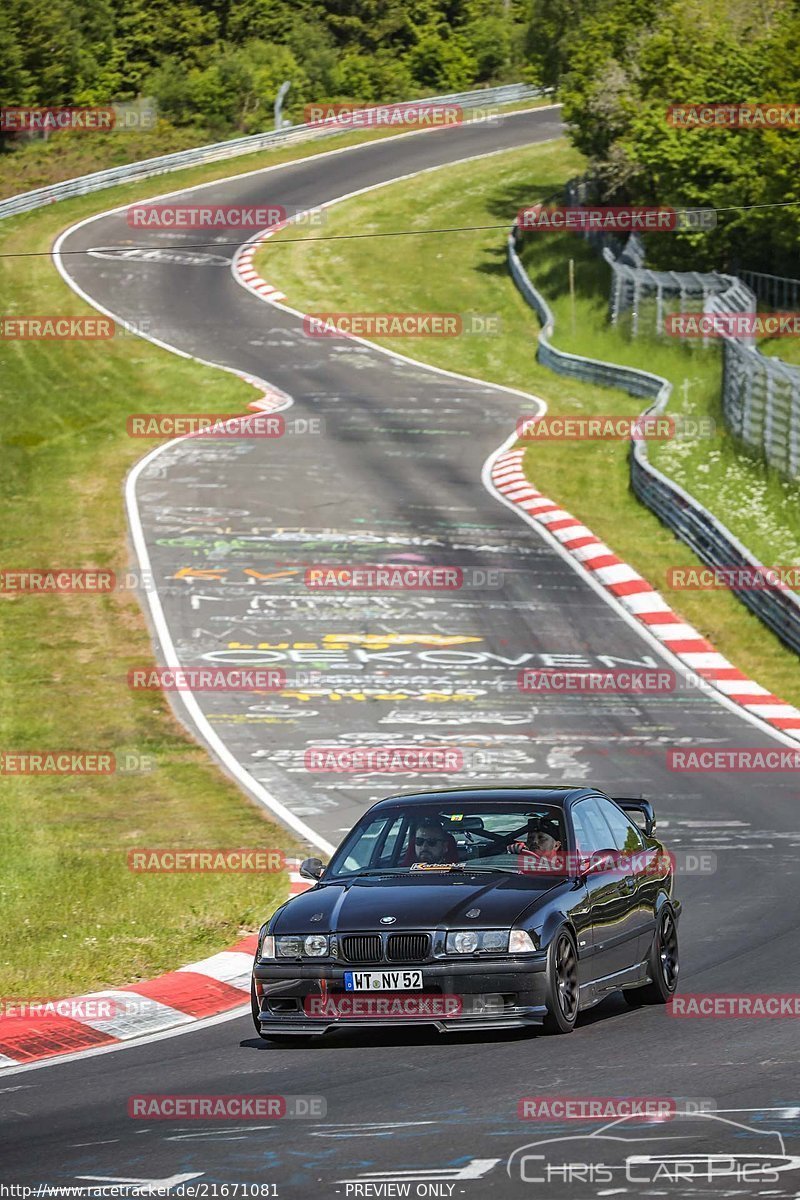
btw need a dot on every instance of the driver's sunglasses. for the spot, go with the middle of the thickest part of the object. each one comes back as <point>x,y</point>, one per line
<point>431,841</point>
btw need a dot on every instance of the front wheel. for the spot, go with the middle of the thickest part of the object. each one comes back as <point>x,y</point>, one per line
<point>662,965</point>
<point>562,985</point>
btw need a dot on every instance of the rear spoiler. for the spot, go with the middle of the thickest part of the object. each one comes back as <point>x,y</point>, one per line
<point>643,807</point>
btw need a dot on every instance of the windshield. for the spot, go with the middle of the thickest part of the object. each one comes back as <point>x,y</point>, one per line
<point>415,839</point>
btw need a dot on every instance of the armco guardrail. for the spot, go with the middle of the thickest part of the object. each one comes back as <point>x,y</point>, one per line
<point>776,291</point>
<point>711,541</point>
<point>760,394</point>
<point>592,370</point>
<point>508,94</point>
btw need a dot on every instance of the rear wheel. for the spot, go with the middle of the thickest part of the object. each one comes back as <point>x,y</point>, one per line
<point>562,985</point>
<point>662,965</point>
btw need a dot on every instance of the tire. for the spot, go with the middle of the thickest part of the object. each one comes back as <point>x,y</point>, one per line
<point>662,965</point>
<point>563,992</point>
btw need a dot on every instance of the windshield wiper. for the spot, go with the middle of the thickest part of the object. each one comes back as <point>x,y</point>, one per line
<point>504,870</point>
<point>371,871</point>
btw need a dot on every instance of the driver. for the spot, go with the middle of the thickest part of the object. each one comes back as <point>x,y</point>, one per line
<point>431,842</point>
<point>543,838</point>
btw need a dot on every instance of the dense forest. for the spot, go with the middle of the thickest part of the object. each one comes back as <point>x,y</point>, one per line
<point>214,68</point>
<point>618,64</point>
<point>220,63</point>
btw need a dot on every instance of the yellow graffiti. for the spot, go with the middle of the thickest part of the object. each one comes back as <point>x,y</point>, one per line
<point>370,641</point>
<point>221,573</point>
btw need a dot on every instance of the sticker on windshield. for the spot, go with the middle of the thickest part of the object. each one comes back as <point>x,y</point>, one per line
<point>423,866</point>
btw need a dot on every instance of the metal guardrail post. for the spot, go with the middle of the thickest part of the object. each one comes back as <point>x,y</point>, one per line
<point>279,99</point>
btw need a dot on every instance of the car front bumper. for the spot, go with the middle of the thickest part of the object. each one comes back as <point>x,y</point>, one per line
<point>312,999</point>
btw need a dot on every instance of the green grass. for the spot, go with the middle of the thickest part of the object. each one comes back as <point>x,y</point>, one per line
<point>466,272</point>
<point>786,348</point>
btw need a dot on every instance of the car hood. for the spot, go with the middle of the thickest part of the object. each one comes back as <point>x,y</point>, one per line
<point>359,904</point>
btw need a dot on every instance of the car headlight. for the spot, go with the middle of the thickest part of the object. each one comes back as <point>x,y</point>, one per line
<point>467,941</point>
<point>315,945</point>
<point>288,947</point>
<point>521,942</point>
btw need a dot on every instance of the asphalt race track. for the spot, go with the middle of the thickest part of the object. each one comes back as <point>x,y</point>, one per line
<point>394,474</point>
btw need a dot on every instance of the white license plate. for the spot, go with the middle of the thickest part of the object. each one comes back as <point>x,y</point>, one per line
<point>382,981</point>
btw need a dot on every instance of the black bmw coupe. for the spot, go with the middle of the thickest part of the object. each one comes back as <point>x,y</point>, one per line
<point>474,908</point>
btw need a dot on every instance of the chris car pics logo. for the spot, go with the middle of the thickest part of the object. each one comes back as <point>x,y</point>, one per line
<point>663,1154</point>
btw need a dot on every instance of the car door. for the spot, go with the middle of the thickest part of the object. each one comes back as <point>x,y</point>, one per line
<point>611,893</point>
<point>642,873</point>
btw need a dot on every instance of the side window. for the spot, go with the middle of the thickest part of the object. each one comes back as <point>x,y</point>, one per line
<point>390,850</point>
<point>363,852</point>
<point>581,835</point>
<point>626,835</point>
<point>592,834</point>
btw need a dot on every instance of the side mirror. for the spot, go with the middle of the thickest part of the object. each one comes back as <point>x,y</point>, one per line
<point>598,861</point>
<point>312,868</point>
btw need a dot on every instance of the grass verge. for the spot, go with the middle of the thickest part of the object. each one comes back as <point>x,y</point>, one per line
<point>466,272</point>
